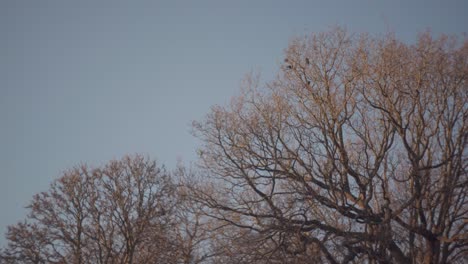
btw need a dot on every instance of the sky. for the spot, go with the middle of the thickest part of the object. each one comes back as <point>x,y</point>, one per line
<point>90,81</point>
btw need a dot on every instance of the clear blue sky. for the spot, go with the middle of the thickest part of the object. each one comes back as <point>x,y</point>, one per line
<point>88,81</point>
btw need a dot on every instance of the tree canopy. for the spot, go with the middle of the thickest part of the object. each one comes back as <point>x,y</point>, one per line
<point>355,153</point>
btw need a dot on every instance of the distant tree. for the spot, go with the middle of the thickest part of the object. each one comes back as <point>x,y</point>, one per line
<point>120,213</point>
<point>356,153</point>
<point>197,232</point>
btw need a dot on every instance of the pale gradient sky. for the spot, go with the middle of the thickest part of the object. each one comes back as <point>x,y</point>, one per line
<point>88,81</point>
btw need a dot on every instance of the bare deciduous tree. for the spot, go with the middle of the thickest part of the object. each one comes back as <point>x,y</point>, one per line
<point>196,231</point>
<point>120,213</point>
<point>356,152</point>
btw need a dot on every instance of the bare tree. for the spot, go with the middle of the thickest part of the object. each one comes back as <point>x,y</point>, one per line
<point>355,153</point>
<point>26,243</point>
<point>55,232</point>
<point>120,213</point>
<point>196,232</point>
<point>139,198</point>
